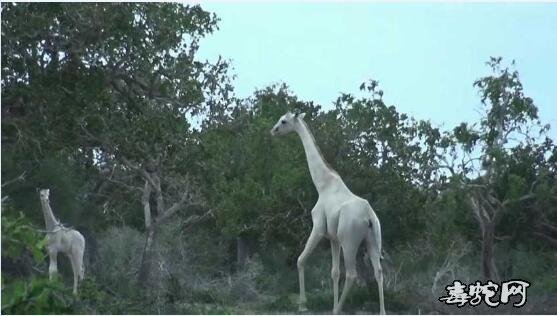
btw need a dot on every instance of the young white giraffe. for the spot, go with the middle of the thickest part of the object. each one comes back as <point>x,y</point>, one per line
<point>62,239</point>
<point>341,216</point>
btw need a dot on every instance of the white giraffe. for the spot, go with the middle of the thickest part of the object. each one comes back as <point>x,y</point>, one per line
<point>62,239</point>
<point>341,216</point>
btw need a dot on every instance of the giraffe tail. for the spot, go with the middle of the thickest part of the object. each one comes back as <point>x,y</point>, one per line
<point>375,227</point>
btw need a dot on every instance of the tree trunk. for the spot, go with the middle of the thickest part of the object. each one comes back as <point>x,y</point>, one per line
<point>147,259</point>
<point>489,269</point>
<point>487,217</point>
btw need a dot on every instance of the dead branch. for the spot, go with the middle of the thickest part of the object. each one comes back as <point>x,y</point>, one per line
<point>301,205</point>
<point>193,219</point>
<point>129,187</point>
<point>21,177</point>
<point>520,199</point>
<point>550,240</point>
<point>548,227</point>
<point>173,209</point>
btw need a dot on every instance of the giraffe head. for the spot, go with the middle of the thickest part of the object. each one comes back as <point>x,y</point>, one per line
<point>44,193</point>
<point>286,123</point>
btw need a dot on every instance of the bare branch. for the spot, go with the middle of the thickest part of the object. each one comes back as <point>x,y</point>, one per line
<point>174,208</point>
<point>550,240</point>
<point>477,213</point>
<point>21,177</point>
<point>130,165</point>
<point>129,187</point>
<point>96,138</point>
<point>476,186</point>
<point>550,228</point>
<point>301,205</point>
<point>188,198</point>
<point>158,191</point>
<point>486,202</point>
<point>533,184</point>
<point>197,218</point>
<point>520,199</point>
<point>448,167</point>
<point>146,207</point>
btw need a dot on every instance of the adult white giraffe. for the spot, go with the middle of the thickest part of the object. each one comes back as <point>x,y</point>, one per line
<point>341,216</point>
<point>62,239</point>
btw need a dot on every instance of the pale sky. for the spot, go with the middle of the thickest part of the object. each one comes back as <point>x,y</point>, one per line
<point>425,56</point>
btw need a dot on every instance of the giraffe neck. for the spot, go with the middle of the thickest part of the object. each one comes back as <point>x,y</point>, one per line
<point>320,171</point>
<point>49,218</point>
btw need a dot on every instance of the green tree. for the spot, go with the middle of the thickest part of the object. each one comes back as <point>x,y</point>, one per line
<point>259,188</point>
<point>386,157</point>
<point>109,87</point>
<point>509,166</point>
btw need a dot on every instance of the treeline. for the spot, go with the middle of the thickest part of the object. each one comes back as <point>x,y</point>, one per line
<point>211,218</point>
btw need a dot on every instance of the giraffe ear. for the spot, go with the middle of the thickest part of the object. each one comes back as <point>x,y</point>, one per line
<point>300,115</point>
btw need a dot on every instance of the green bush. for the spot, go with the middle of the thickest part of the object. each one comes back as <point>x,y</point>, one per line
<point>18,236</point>
<point>120,251</point>
<point>36,296</point>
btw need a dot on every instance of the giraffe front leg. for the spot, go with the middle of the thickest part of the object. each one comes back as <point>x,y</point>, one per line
<point>335,271</point>
<point>53,264</point>
<point>76,269</point>
<point>313,240</point>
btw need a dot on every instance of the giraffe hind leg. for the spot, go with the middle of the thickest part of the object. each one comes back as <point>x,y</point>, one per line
<point>351,232</point>
<point>349,253</point>
<point>373,244</point>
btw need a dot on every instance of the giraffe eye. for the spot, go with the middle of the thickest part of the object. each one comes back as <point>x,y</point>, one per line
<point>283,122</point>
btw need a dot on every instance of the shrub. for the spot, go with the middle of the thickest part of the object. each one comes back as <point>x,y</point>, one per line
<point>35,296</point>
<point>120,251</point>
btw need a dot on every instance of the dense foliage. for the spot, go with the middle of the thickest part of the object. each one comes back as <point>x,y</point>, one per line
<point>98,102</point>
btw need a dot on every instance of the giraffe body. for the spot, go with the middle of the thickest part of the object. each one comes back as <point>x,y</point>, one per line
<point>62,239</point>
<point>339,215</point>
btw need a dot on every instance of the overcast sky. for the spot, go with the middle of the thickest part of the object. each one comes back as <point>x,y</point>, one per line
<point>425,56</point>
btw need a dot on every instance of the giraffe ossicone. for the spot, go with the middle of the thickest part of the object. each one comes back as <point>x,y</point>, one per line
<point>343,217</point>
